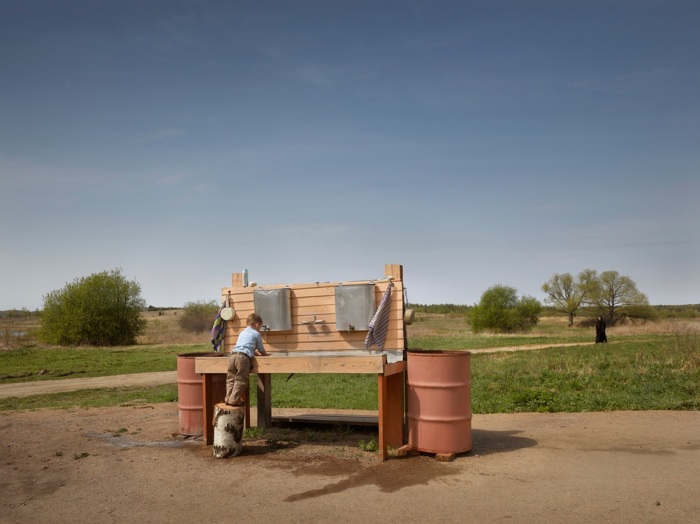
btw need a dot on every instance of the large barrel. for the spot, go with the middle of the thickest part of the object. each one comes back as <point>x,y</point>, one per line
<point>439,401</point>
<point>190,401</point>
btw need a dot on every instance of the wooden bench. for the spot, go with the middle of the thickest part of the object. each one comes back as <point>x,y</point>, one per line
<point>390,388</point>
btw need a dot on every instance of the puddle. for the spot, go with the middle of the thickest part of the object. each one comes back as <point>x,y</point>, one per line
<point>388,477</point>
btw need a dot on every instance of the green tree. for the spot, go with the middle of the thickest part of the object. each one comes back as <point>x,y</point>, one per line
<point>198,316</point>
<point>618,297</point>
<point>500,310</point>
<point>103,309</point>
<point>567,294</point>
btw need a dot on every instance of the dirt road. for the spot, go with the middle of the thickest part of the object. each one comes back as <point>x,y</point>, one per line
<point>48,387</point>
<point>122,464</point>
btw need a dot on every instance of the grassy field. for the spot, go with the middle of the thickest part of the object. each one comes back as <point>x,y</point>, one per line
<point>645,366</point>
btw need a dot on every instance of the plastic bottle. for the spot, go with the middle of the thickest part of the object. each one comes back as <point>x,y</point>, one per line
<point>245,277</point>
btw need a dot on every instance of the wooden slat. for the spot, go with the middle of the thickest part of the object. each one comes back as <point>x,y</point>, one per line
<point>321,346</point>
<point>329,418</point>
<point>306,364</point>
<point>303,291</point>
<point>315,285</point>
<point>394,368</point>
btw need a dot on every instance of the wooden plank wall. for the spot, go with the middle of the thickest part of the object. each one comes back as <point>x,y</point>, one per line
<point>316,299</point>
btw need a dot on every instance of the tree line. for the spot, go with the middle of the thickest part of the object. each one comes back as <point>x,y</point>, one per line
<point>608,294</point>
<point>105,308</point>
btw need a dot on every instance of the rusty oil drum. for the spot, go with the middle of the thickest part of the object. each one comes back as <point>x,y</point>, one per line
<point>439,401</point>
<point>190,397</point>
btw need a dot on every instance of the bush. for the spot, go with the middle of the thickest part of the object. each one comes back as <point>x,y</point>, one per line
<point>103,309</point>
<point>501,310</point>
<point>198,316</point>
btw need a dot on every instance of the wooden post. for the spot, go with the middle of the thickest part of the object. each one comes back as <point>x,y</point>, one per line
<point>390,390</point>
<point>264,400</point>
<point>381,394</point>
<point>394,422</point>
<point>236,279</point>
<point>394,270</point>
<point>207,409</point>
<point>228,430</point>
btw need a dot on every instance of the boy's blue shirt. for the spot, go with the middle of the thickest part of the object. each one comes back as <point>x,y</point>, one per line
<point>248,341</point>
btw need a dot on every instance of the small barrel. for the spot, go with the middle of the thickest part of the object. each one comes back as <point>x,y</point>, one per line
<point>439,401</point>
<point>190,401</point>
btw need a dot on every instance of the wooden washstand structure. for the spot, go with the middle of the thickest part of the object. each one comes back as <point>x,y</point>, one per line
<point>319,328</point>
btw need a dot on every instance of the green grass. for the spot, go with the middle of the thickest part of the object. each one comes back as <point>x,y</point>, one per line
<point>324,391</point>
<point>623,376</point>
<point>136,396</point>
<point>641,368</point>
<point>35,363</point>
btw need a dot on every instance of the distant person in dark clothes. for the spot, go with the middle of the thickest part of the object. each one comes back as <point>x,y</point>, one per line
<point>600,335</point>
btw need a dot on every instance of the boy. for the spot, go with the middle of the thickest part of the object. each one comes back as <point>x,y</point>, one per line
<point>249,341</point>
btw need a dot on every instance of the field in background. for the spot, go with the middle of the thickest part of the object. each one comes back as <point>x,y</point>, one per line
<point>655,365</point>
<point>162,327</point>
<point>429,331</point>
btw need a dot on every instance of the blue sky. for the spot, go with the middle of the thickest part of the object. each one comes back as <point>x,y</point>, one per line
<point>476,143</point>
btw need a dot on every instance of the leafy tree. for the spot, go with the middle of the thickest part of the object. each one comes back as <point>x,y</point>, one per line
<point>501,310</point>
<point>198,316</point>
<point>619,297</point>
<point>103,309</point>
<point>567,294</point>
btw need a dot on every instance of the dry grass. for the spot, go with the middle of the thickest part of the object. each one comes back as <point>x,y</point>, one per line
<point>18,331</point>
<point>162,327</point>
<point>432,324</point>
<point>656,327</point>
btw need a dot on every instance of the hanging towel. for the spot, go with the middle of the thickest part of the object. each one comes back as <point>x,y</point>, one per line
<point>218,331</point>
<point>379,324</point>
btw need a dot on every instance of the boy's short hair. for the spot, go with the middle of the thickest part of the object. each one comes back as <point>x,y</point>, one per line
<point>253,318</point>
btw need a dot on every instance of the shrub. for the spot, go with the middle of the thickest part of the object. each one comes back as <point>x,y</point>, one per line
<point>198,316</point>
<point>501,310</point>
<point>103,309</point>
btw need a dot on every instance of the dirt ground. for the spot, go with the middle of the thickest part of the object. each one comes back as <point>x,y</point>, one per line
<point>124,464</point>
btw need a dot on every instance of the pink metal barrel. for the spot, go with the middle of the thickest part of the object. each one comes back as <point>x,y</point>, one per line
<point>190,401</point>
<point>439,401</point>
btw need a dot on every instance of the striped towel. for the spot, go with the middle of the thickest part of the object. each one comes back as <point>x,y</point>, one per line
<point>379,324</point>
<point>218,331</point>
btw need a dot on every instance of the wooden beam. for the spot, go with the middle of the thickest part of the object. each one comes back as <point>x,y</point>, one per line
<point>396,367</point>
<point>293,364</point>
<point>264,400</point>
<point>207,409</point>
<point>394,270</point>
<point>391,412</point>
<point>236,279</point>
